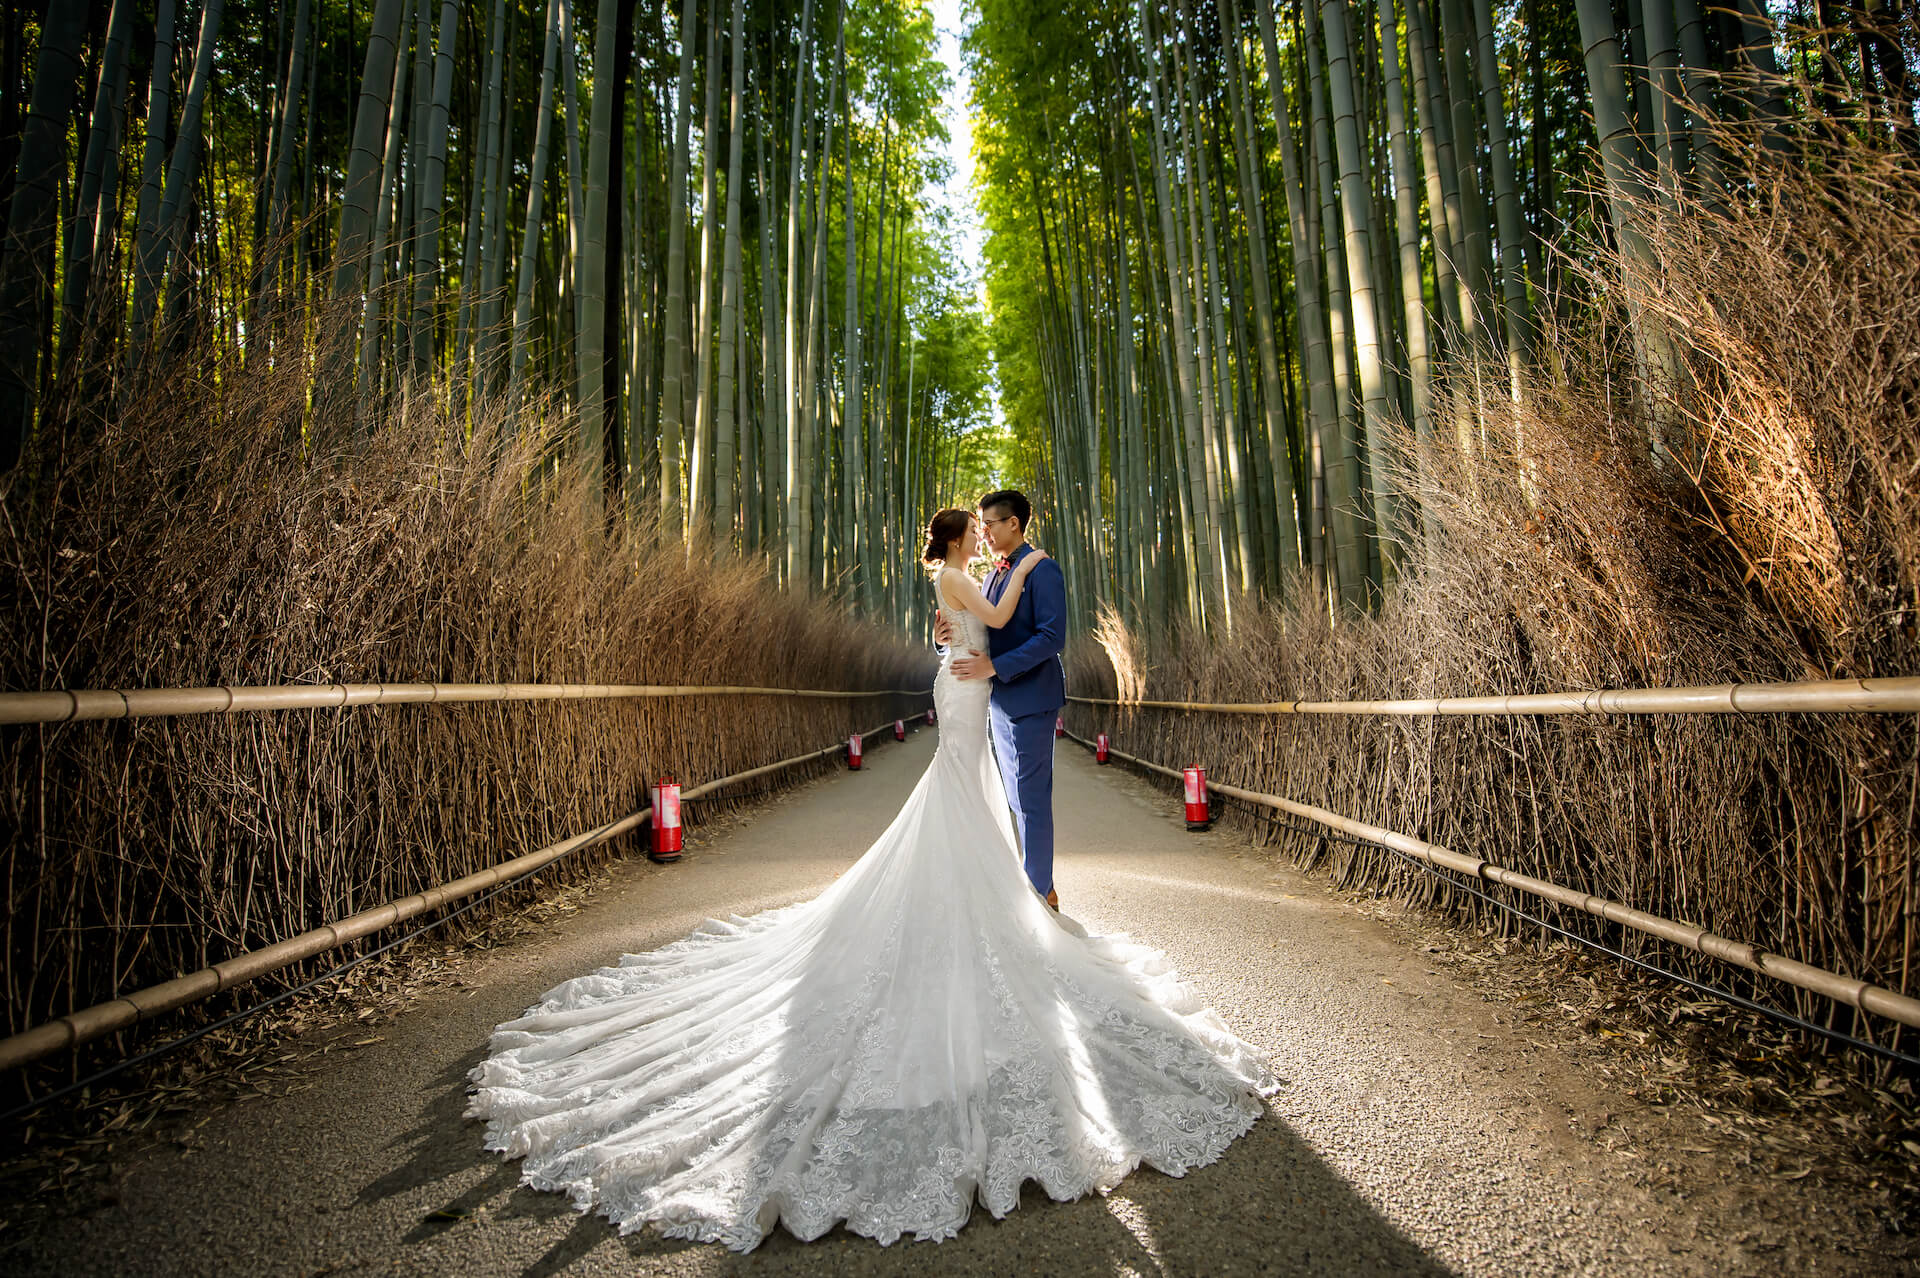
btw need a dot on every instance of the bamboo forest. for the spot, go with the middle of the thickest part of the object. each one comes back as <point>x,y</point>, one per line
<point>1479,438</point>
<point>1238,260</point>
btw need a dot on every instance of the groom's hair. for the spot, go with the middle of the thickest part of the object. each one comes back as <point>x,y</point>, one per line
<point>1011,500</point>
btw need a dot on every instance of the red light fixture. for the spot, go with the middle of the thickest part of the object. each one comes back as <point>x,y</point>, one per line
<point>666,821</point>
<point>1198,817</point>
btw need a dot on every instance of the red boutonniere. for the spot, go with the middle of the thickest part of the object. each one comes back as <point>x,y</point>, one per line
<point>1003,563</point>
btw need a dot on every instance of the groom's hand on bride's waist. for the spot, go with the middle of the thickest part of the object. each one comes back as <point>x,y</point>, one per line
<point>942,632</point>
<point>974,665</point>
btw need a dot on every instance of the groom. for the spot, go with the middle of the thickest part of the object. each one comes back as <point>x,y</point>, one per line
<point>1029,684</point>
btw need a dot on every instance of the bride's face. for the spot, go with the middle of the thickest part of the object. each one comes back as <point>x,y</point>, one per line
<point>970,542</point>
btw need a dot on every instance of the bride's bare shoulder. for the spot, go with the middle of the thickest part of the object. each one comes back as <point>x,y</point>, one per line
<point>942,584</point>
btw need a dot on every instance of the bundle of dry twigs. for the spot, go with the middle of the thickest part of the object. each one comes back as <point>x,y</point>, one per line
<point>197,540</point>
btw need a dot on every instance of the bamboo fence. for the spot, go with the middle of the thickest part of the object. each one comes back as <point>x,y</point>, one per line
<point>1842,989</point>
<point>63,706</point>
<point>1824,696</point>
<point>125,1010</point>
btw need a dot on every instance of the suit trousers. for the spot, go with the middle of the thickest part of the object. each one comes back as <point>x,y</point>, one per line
<point>1024,750</point>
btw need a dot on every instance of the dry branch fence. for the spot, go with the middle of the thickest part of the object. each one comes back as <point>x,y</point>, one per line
<point>125,1010</point>
<point>194,543</point>
<point>1888,697</point>
<point>1774,827</point>
<point>1777,542</point>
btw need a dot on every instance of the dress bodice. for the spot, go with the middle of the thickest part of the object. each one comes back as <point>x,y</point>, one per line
<point>969,631</point>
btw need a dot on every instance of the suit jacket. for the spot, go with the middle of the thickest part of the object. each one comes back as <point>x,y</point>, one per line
<point>1028,677</point>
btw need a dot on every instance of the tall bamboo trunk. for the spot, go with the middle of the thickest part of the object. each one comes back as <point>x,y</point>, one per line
<point>82,301</point>
<point>1204,561</point>
<point>853,482</point>
<point>1516,307</point>
<point>364,164</point>
<point>700,471</point>
<point>674,322</point>
<point>772,429</point>
<point>1272,398</point>
<point>1323,412</point>
<point>1357,213</point>
<point>1696,83</point>
<point>797,480</point>
<point>1435,159</point>
<point>372,305</point>
<point>479,208</point>
<point>536,192</point>
<point>433,191</point>
<point>157,245</point>
<point>495,224</point>
<point>724,446</point>
<point>1194,275</point>
<point>813,405</point>
<point>590,349</point>
<point>1407,213</point>
<point>278,205</point>
<point>27,263</point>
<point>1456,38</point>
<point>1663,84</point>
<point>576,227</point>
<point>153,164</point>
<point>1345,481</point>
<point>1606,82</point>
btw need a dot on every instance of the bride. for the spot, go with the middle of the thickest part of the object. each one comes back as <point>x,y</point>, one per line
<point>923,1034</point>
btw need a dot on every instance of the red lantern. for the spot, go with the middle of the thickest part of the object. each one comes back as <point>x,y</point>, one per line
<point>1059,727</point>
<point>1100,745</point>
<point>666,821</point>
<point>899,729</point>
<point>1197,817</point>
<point>853,753</point>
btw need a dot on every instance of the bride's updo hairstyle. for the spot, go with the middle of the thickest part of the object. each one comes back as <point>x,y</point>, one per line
<point>943,530</point>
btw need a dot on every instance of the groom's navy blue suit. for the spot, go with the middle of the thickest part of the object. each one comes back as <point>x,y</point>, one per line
<point>1029,687</point>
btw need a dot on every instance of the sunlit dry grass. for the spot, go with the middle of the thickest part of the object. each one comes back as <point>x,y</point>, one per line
<point>196,541</point>
<point>1779,539</point>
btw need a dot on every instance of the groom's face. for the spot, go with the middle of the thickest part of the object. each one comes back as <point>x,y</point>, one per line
<point>1002,529</point>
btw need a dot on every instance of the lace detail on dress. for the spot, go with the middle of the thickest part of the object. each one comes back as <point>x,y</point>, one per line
<point>923,1035</point>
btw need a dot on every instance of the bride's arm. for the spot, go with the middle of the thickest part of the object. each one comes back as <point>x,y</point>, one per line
<point>969,596</point>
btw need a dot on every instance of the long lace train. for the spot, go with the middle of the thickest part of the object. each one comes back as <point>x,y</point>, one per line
<point>924,1034</point>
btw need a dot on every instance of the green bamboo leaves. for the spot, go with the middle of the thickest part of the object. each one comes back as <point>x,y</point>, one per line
<point>1277,251</point>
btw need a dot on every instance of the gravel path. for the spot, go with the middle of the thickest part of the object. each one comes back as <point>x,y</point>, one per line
<point>1416,1133</point>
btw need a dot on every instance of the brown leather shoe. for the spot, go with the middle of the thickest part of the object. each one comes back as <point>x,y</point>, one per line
<point>1053,900</point>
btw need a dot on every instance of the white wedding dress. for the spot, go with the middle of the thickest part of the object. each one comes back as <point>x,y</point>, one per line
<point>924,1033</point>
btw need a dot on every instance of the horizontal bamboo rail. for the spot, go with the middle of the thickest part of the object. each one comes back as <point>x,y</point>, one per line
<point>90,1023</point>
<point>1843,989</point>
<point>1886,696</point>
<point>61,706</point>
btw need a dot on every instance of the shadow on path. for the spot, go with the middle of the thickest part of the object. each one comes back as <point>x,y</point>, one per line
<point>1270,1204</point>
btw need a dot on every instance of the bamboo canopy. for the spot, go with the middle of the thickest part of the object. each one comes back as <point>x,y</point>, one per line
<point>129,1009</point>
<point>1822,696</point>
<point>1843,989</point>
<point>61,706</point>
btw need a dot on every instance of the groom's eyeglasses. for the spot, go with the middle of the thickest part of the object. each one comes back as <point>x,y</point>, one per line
<point>991,522</point>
